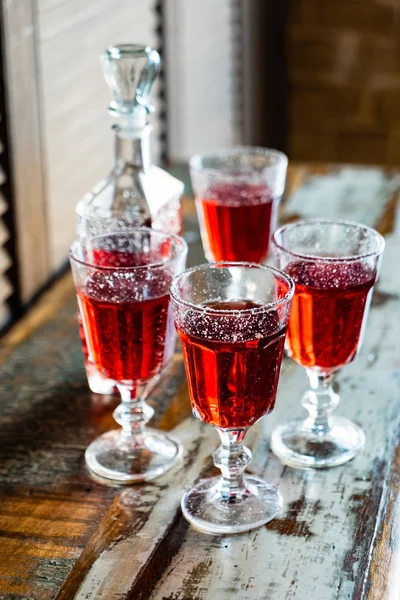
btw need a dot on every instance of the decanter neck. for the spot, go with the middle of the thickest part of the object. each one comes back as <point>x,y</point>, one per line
<point>132,147</point>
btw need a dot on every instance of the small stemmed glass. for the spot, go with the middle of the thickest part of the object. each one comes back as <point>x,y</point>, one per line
<point>231,319</point>
<point>122,281</point>
<point>334,266</point>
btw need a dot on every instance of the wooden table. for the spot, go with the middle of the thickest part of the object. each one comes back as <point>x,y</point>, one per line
<point>65,536</point>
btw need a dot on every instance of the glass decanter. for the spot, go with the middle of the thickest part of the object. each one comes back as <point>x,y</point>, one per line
<point>135,192</point>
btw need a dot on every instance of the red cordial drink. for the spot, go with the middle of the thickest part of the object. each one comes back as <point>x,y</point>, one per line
<point>104,258</point>
<point>232,385</point>
<point>328,310</point>
<point>127,338</point>
<point>114,258</point>
<point>237,221</point>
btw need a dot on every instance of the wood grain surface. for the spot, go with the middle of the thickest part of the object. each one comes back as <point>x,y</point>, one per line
<point>65,536</point>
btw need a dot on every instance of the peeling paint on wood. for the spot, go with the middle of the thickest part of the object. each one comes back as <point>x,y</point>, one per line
<point>65,536</point>
<point>352,193</point>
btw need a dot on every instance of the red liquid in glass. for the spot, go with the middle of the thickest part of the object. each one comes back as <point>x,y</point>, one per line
<point>327,312</point>
<point>232,385</point>
<point>106,258</point>
<point>128,339</point>
<point>237,221</point>
<point>115,258</point>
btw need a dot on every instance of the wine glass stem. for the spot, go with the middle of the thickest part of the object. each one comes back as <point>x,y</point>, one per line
<point>232,458</point>
<point>133,413</point>
<point>320,400</point>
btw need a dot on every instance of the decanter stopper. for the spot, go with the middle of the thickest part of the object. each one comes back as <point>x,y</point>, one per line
<point>130,70</point>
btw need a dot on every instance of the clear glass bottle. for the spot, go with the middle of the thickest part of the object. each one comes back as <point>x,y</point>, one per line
<point>135,192</point>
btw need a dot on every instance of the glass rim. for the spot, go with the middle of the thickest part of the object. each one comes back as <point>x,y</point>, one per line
<point>122,50</point>
<point>213,311</point>
<point>195,160</point>
<point>156,265</point>
<point>333,259</point>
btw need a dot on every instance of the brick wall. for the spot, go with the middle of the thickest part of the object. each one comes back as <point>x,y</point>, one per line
<point>344,80</point>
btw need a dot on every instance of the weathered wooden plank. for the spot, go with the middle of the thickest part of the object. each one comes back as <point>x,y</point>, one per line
<point>50,302</point>
<point>50,509</point>
<point>63,534</point>
<point>353,193</point>
<point>44,408</point>
<point>323,545</point>
<point>44,433</point>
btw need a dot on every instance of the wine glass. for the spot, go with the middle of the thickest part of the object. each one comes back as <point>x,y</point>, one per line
<point>89,226</point>
<point>231,319</point>
<point>122,281</point>
<point>237,195</point>
<point>334,265</point>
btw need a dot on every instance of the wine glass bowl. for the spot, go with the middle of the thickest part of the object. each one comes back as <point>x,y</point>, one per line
<point>122,281</point>
<point>231,319</point>
<point>334,266</point>
<point>237,192</point>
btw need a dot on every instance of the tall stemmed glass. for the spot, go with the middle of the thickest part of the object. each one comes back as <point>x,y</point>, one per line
<point>231,319</point>
<point>122,281</point>
<point>334,266</point>
<point>237,195</point>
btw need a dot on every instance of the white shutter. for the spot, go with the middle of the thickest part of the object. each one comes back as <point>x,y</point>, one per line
<point>77,141</point>
<point>6,288</point>
<point>199,39</point>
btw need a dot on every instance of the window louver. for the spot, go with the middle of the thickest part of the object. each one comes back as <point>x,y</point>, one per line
<point>6,288</point>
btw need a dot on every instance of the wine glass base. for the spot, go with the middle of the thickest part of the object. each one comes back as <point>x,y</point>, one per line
<point>298,446</point>
<point>99,384</point>
<point>205,508</point>
<point>131,459</point>
<point>105,388</point>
